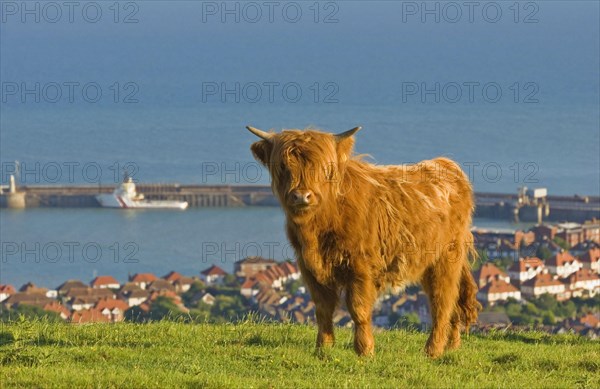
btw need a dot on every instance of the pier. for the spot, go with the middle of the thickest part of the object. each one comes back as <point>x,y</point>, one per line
<point>520,206</point>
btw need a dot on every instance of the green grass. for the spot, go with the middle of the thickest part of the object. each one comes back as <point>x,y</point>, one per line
<point>263,355</point>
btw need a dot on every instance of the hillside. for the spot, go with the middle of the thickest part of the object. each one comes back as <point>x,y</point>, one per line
<point>167,354</point>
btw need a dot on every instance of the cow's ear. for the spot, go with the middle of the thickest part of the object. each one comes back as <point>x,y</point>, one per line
<point>345,143</point>
<point>262,151</point>
<point>344,148</point>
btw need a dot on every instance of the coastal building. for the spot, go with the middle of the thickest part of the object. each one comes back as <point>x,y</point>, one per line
<point>525,269</point>
<point>248,267</point>
<point>6,291</point>
<point>91,315</point>
<point>214,275</point>
<point>113,309</point>
<point>562,264</point>
<point>583,282</point>
<point>543,283</point>
<point>160,284</point>
<point>101,282</point>
<point>591,260</point>
<point>498,290</point>
<point>134,297</point>
<point>575,233</point>
<point>22,298</point>
<point>58,308</point>
<point>64,288</point>
<point>489,272</point>
<point>142,279</point>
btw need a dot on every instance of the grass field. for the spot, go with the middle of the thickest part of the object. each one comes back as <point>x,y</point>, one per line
<point>262,355</point>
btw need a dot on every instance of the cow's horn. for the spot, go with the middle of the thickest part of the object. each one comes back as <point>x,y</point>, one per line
<point>260,133</point>
<point>347,134</point>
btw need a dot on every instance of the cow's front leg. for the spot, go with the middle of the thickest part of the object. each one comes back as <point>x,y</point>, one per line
<point>326,300</point>
<point>314,262</point>
<point>360,297</point>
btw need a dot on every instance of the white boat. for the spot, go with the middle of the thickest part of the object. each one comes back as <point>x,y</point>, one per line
<point>125,196</point>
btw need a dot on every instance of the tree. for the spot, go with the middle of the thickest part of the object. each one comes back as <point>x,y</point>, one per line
<point>562,243</point>
<point>293,286</point>
<point>227,308</point>
<point>195,288</point>
<point>548,318</point>
<point>161,308</point>
<point>231,281</point>
<point>28,312</point>
<point>543,252</point>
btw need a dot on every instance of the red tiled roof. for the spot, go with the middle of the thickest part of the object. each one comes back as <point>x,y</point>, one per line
<point>288,268</point>
<point>91,315</point>
<point>542,279</point>
<point>104,280</point>
<point>590,320</point>
<point>111,304</point>
<point>30,287</point>
<point>172,276</point>
<point>489,270</point>
<point>165,293</point>
<point>526,263</point>
<point>57,307</point>
<point>498,286</point>
<point>8,289</point>
<point>143,277</point>
<point>249,283</point>
<point>560,259</point>
<point>214,271</point>
<point>591,256</point>
<point>582,275</point>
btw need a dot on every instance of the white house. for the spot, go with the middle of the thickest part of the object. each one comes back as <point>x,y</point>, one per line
<point>591,260</point>
<point>563,264</point>
<point>498,290</point>
<point>525,269</point>
<point>214,275</point>
<point>584,280</point>
<point>541,284</point>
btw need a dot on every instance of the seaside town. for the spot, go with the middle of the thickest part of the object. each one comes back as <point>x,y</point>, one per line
<point>547,277</point>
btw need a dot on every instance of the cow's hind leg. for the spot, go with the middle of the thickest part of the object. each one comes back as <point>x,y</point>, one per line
<point>441,283</point>
<point>467,308</point>
<point>455,326</point>
<point>360,297</point>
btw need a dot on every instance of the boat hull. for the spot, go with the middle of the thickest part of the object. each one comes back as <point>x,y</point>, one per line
<point>115,201</point>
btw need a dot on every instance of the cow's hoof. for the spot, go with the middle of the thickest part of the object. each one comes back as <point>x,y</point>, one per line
<point>433,350</point>
<point>453,344</point>
<point>364,350</point>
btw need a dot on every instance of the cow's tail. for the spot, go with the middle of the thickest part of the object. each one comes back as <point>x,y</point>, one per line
<point>468,305</point>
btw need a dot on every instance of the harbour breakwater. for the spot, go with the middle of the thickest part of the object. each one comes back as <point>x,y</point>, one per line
<point>505,206</point>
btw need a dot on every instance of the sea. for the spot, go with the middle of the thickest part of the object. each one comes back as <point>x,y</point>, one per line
<point>163,91</point>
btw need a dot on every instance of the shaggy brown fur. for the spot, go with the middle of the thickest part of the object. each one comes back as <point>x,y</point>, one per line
<point>357,227</point>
